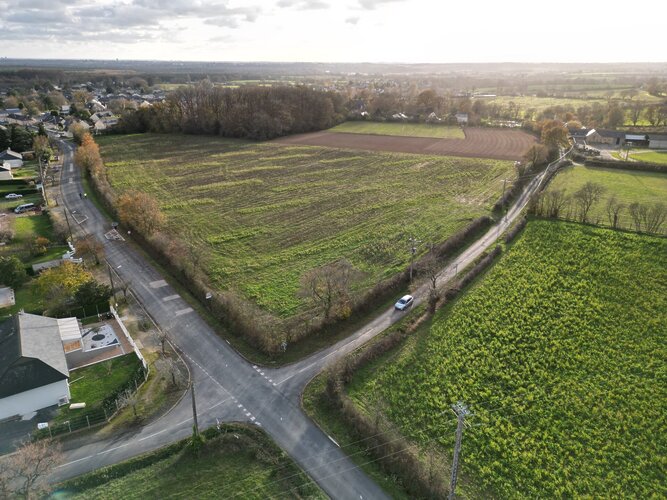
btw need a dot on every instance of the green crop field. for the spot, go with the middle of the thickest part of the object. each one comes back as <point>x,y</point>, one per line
<point>241,463</point>
<point>560,350</point>
<point>627,186</point>
<point>264,214</point>
<point>400,129</point>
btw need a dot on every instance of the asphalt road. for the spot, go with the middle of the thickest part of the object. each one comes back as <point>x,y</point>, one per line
<point>228,388</point>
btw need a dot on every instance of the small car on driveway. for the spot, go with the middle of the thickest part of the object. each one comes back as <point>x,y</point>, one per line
<point>13,196</point>
<point>404,302</point>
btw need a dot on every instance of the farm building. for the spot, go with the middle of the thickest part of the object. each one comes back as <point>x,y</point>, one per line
<point>14,159</point>
<point>612,137</point>
<point>462,118</point>
<point>581,135</point>
<point>639,140</point>
<point>33,369</point>
<point>657,141</point>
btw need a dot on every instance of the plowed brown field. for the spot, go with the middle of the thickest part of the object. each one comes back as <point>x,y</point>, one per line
<point>500,144</point>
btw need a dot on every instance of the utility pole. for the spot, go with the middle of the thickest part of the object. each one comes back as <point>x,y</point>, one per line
<point>69,228</point>
<point>413,250</point>
<point>461,412</point>
<point>194,408</point>
<point>113,290</point>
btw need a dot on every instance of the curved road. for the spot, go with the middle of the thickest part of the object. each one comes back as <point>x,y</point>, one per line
<point>228,388</point>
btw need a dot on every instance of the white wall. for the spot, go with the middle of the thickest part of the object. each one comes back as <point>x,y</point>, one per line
<point>34,399</point>
<point>658,144</point>
<point>15,163</point>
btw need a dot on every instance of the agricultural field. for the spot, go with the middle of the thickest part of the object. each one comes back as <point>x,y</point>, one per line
<point>479,142</point>
<point>559,350</point>
<point>628,187</point>
<point>240,463</point>
<point>400,129</point>
<point>263,214</point>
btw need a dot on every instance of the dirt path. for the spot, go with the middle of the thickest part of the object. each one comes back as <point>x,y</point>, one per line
<point>500,144</point>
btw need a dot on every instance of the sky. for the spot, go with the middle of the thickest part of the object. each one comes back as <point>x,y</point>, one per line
<point>409,31</point>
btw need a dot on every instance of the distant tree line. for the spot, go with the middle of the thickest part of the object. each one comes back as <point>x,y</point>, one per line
<point>244,112</point>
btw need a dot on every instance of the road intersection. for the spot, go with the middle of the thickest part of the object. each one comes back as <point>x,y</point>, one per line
<point>228,387</point>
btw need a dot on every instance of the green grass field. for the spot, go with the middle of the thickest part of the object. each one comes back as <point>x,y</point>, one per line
<point>627,186</point>
<point>241,463</point>
<point>264,214</point>
<point>560,352</point>
<point>649,156</point>
<point>400,129</point>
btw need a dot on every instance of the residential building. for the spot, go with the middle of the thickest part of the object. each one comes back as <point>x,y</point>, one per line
<point>33,368</point>
<point>14,159</point>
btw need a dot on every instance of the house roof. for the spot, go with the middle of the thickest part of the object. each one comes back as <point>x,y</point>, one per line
<point>636,137</point>
<point>31,354</point>
<point>611,133</point>
<point>8,154</point>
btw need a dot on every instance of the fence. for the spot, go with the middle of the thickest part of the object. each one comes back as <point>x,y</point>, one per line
<point>129,339</point>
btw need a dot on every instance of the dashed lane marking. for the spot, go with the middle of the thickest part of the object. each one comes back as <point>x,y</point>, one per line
<point>181,312</point>
<point>157,284</point>
<point>170,297</point>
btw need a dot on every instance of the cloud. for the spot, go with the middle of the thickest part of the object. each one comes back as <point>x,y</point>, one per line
<point>372,4</point>
<point>352,20</point>
<point>303,4</point>
<point>120,21</point>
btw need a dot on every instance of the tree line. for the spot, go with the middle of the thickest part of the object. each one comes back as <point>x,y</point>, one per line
<point>245,112</point>
<point>557,204</point>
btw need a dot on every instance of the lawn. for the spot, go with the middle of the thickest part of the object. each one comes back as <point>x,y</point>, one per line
<point>263,214</point>
<point>560,351</point>
<point>627,186</point>
<point>242,462</point>
<point>400,129</point>
<point>93,384</point>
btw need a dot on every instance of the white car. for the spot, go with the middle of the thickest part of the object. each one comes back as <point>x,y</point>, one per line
<point>404,302</point>
<point>13,196</point>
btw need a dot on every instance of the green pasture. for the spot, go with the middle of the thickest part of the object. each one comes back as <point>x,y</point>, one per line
<point>627,186</point>
<point>559,351</point>
<point>263,214</point>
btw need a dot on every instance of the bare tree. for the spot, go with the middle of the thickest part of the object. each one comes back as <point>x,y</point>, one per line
<point>169,369</point>
<point>614,208</point>
<point>654,217</point>
<point>162,338</point>
<point>586,196</point>
<point>636,210</point>
<point>24,473</point>
<point>328,286</point>
<point>430,267</point>
<point>555,202</point>
<point>129,398</point>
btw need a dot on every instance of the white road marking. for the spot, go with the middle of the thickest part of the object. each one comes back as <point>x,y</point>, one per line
<point>333,440</point>
<point>157,284</point>
<point>71,167</point>
<point>170,297</point>
<point>181,312</point>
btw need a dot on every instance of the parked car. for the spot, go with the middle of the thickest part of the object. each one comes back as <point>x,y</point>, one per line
<point>13,196</point>
<point>26,207</point>
<point>404,302</point>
